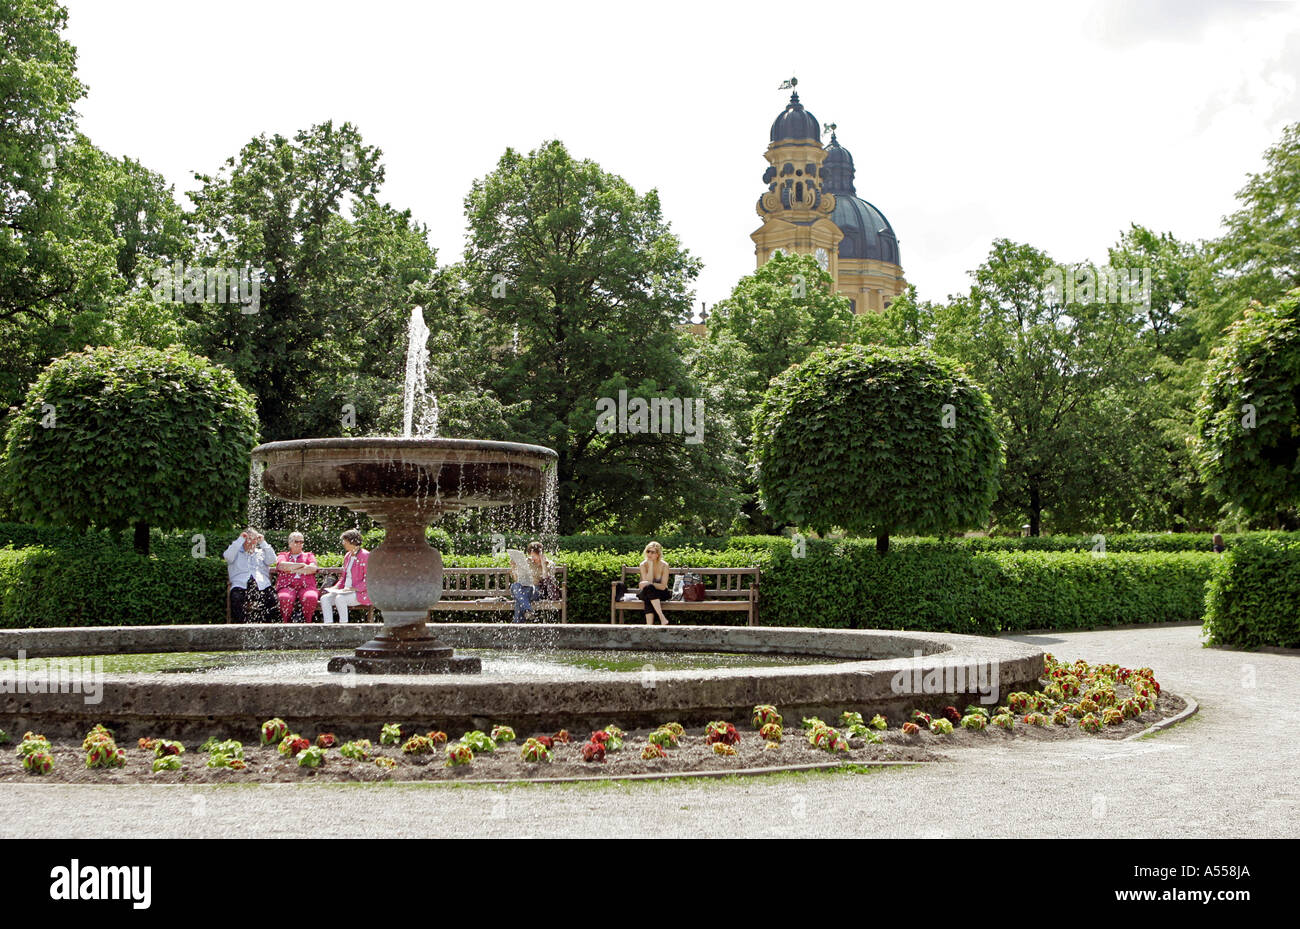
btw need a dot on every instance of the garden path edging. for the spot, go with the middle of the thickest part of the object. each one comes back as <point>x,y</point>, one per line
<point>1190,710</point>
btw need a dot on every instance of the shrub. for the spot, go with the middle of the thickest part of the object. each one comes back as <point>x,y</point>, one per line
<point>137,437</point>
<point>876,441</point>
<point>927,585</point>
<point>1253,460</point>
<point>1253,598</point>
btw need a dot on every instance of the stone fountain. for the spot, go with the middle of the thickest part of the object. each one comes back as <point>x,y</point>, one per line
<point>405,484</point>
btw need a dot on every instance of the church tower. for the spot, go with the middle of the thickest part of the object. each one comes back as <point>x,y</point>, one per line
<point>812,208</point>
<point>796,211</point>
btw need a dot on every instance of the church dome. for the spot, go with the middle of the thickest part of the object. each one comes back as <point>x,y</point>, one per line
<point>867,234</point>
<point>795,122</point>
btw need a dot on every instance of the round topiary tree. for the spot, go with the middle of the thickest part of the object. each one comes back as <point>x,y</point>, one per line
<point>876,441</point>
<point>112,438</point>
<point>1248,415</point>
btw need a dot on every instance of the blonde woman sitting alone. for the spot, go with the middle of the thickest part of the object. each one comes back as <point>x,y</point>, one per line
<point>654,583</point>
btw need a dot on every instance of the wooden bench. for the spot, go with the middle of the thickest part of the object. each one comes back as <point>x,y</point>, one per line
<point>725,589</point>
<point>321,571</point>
<point>474,589</point>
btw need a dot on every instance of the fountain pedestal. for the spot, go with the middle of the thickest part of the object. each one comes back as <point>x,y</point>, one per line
<point>404,579</point>
<point>405,485</point>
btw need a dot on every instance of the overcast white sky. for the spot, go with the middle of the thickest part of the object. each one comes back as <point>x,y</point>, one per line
<point>1051,124</point>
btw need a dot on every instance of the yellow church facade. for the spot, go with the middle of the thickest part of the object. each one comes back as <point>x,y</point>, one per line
<point>812,208</point>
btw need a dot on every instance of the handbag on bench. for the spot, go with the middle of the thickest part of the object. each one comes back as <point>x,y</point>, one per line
<point>692,588</point>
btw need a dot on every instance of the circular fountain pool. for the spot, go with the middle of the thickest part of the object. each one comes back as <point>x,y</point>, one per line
<point>508,664</point>
<point>804,671</point>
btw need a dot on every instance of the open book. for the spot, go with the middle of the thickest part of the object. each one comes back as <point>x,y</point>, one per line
<point>519,564</point>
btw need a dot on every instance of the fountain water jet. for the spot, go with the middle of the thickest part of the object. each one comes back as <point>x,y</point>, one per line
<point>405,484</point>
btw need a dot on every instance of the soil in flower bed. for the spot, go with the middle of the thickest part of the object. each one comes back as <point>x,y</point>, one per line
<point>266,765</point>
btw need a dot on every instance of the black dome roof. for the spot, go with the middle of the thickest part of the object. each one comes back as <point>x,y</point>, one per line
<point>867,234</point>
<point>795,122</point>
<point>837,169</point>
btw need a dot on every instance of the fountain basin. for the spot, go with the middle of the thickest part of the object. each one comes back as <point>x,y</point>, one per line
<point>404,484</point>
<point>406,478</point>
<point>877,671</point>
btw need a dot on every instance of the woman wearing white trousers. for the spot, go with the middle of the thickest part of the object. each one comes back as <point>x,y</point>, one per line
<point>351,588</point>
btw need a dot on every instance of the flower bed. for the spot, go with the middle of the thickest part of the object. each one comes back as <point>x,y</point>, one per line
<point>1120,702</point>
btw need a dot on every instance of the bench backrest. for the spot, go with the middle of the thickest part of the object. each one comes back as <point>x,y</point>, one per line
<point>718,582</point>
<point>473,583</point>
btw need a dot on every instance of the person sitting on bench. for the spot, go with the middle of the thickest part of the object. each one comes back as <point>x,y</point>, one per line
<point>654,583</point>
<point>351,588</point>
<point>534,580</point>
<point>295,580</point>
<point>248,562</point>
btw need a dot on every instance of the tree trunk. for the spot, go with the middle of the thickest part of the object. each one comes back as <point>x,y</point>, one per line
<point>1035,510</point>
<point>140,538</point>
<point>882,543</point>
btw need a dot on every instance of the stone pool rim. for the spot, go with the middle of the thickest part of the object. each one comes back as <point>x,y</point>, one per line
<point>188,705</point>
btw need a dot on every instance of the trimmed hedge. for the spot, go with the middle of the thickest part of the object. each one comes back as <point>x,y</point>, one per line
<point>43,586</point>
<point>1253,598</point>
<point>21,535</point>
<point>181,542</point>
<point>953,589</point>
<point>1125,542</point>
<point>936,586</point>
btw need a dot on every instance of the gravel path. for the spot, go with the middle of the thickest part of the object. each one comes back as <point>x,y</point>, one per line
<point>1232,770</point>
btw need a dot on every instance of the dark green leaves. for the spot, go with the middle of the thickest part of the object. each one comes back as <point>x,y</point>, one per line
<point>875,443</point>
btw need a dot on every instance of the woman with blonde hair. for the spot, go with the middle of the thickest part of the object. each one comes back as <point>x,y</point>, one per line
<point>654,583</point>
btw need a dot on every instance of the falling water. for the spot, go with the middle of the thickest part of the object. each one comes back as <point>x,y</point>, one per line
<point>256,497</point>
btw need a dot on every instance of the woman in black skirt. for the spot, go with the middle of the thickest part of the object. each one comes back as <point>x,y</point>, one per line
<point>654,583</point>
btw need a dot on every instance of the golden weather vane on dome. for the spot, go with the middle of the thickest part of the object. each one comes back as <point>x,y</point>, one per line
<point>789,84</point>
<point>829,127</point>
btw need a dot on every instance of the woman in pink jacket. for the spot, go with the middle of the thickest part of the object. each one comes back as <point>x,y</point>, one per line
<point>351,588</point>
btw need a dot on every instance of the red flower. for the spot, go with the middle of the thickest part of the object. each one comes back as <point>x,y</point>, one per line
<point>326,740</point>
<point>600,737</point>
<point>593,751</point>
<point>951,713</point>
<point>546,740</point>
<point>562,736</point>
<point>298,745</point>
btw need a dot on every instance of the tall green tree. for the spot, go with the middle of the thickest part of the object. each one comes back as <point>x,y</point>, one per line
<point>907,321</point>
<point>1258,256</point>
<point>773,318</point>
<point>1248,418</point>
<point>1064,369</point>
<point>781,313</point>
<point>75,222</point>
<point>1171,493</point>
<point>589,286</point>
<point>38,92</point>
<point>339,273</point>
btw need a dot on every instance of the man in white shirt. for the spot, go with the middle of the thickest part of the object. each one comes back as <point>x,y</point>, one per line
<point>248,562</point>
